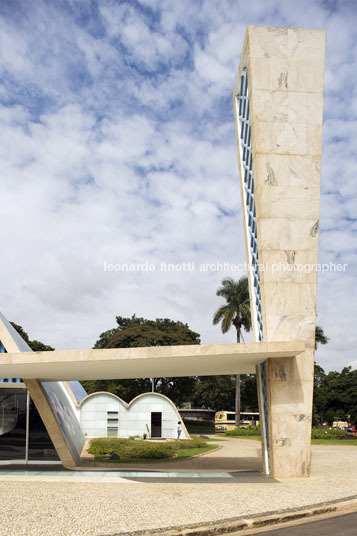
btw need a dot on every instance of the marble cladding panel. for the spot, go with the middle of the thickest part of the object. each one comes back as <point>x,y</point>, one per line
<point>291,44</point>
<point>283,75</point>
<point>288,234</point>
<point>289,298</point>
<point>284,201</point>
<point>291,461</point>
<point>291,429</point>
<point>295,396</point>
<point>291,327</point>
<point>289,266</point>
<point>286,138</point>
<point>286,106</point>
<point>287,171</point>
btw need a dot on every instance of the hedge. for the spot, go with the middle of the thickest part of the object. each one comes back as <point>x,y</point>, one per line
<point>199,427</point>
<point>316,433</point>
<point>326,433</point>
<point>243,432</point>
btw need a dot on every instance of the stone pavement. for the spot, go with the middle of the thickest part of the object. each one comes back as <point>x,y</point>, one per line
<point>95,507</point>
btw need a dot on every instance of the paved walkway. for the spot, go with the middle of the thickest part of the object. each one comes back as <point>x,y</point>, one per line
<point>74,508</point>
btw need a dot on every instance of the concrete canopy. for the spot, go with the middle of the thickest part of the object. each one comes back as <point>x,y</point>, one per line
<point>163,361</point>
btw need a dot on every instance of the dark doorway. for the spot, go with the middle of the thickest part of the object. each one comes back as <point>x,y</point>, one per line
<point>156,424</point>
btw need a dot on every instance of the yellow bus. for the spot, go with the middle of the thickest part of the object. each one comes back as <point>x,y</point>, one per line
<point>226,420</point>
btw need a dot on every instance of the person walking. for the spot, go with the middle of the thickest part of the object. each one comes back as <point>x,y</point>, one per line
<point>179,429</point>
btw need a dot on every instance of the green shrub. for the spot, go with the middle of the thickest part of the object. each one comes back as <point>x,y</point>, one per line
<point>130,449</point>
<point>148,452</point>
<point>316,433</point>
<point>243,432</point>
<point>199,427</point>
<point>326,433</point>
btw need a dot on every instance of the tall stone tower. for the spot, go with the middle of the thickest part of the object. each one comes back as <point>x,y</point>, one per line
<point>278,100</point>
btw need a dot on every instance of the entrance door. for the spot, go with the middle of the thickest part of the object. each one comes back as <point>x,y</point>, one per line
<point>156,424</point>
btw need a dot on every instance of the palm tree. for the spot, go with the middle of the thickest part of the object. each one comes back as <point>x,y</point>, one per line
<point>320,337</point>
<point>236,312</point>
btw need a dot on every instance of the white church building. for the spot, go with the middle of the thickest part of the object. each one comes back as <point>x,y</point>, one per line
<point>154,415</point>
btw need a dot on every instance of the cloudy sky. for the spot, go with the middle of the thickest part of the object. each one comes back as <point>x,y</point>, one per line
<point>118,146</point>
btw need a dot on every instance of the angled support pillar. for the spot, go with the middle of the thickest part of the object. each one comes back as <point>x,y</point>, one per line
<point>52,401</point>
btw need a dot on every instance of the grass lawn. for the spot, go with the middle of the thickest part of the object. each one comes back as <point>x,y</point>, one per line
<point>254,437</point>
<point>333,441</point>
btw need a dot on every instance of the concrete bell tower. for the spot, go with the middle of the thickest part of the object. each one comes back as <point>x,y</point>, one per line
<point>278,101</point>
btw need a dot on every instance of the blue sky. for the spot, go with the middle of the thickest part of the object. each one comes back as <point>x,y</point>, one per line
<point>118,146</point>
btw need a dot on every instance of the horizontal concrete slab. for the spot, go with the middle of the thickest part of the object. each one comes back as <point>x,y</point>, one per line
<point>158,361</point>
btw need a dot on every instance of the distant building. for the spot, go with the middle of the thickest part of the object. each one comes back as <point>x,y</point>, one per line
<point>197,414</point>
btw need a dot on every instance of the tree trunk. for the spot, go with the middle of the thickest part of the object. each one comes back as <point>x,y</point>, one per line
<point>237,402</point>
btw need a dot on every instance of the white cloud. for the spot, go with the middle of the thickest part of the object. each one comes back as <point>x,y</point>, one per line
<point>118,146</point>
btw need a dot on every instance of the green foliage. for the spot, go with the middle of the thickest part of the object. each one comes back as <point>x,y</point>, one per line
<point>218,392</point>
<point>215,392</point>
<point>129,449</point>
<point>140,332</point>
<point>236,311</point>
<point>243,432</point>
<point>125,389</point>
<point>320,337</point>
<point>149,452</point>
<point>326,433</point>
<point>249,394</point>
<point>316,433</point>
<point>36,346</point>
<point>335,396</point>
<point>336,441</point>
<point>199,427</point>
<point>107,445</point>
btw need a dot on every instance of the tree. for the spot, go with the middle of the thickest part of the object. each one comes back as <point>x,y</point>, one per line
<point>236,312</point>
<point>335,396</point>
<point>136,331</point>
<point>249,393</point>
<point>140,332</point>
<point>320,337</point>
<point>320,384</point>
<point>320,396</point>
<point>215,392</point>
<point>36,346</point>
